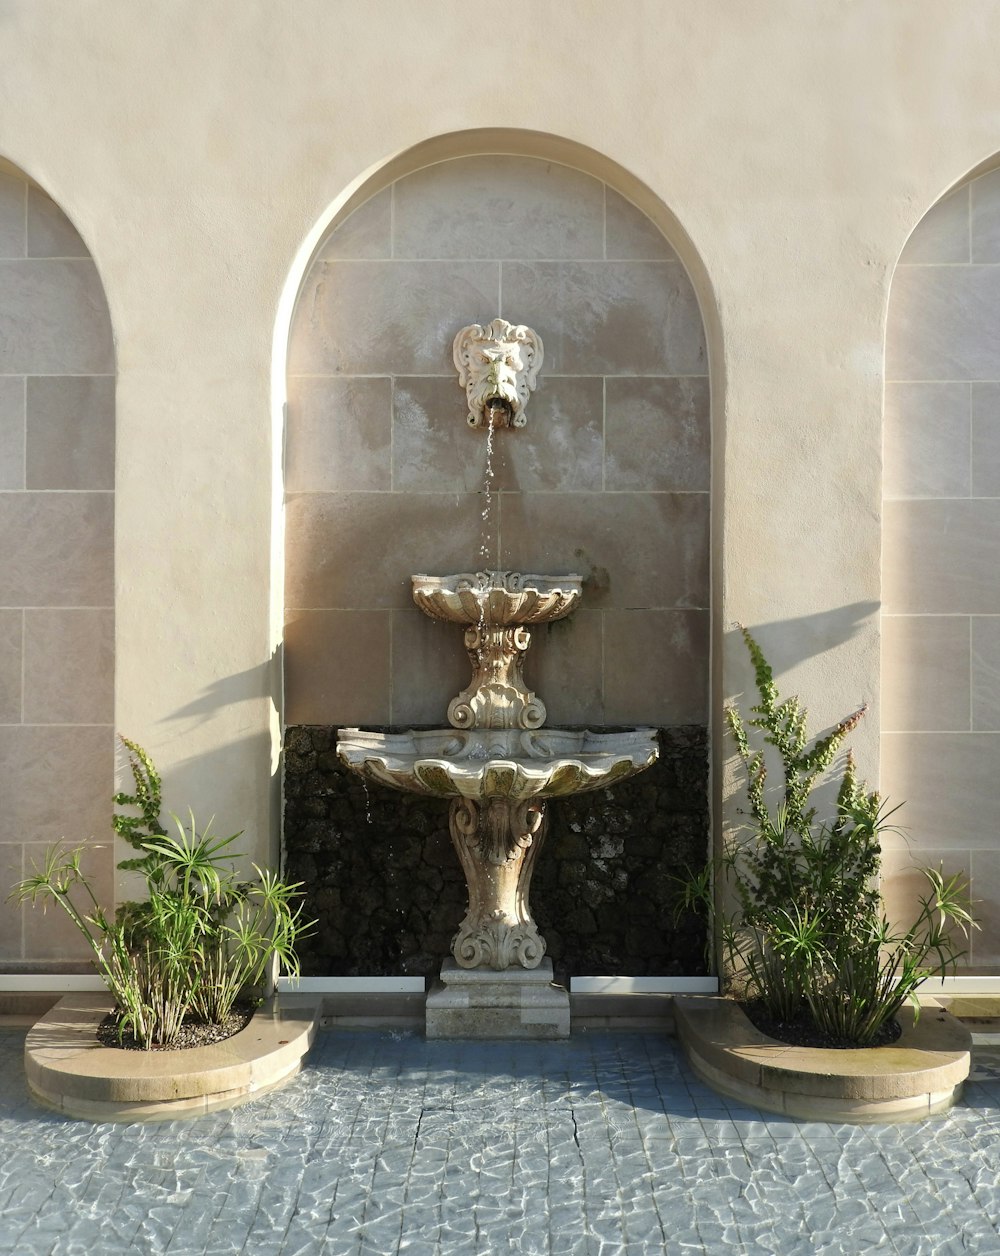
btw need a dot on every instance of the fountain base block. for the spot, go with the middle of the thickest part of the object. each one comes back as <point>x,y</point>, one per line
<point>487,1003</point>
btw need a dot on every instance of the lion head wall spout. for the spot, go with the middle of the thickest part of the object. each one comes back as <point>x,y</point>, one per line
<point>498,367</point>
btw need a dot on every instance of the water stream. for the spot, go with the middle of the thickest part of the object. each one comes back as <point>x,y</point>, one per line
<point>491,523</point>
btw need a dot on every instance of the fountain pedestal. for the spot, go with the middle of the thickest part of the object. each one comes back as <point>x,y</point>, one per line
<point>498,985</point>
<point>497,841</point>
<point>485,1003</point>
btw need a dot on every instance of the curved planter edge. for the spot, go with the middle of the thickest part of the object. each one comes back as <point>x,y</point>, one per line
<point>68,1070</point>
<point>920,1074</point>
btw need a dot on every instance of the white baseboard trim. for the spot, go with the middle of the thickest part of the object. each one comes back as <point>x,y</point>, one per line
<point>644,985</point>
<point>65,983</point>
<point>49,983</point>
<point>961,985</point>
<point>352,985</point>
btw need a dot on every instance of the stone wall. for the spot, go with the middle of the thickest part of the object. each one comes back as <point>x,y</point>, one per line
<point>941,596</point>
<point>610,478</point>
<point>387,889</point>
<point>57,479</point>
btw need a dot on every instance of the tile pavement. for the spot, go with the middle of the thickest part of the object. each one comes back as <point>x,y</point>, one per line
<point>601,1145</point>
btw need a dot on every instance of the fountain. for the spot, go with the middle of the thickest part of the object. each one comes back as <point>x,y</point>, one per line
<point>497,763</point>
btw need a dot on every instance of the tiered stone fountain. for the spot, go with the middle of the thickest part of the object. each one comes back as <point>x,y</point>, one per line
<point>496,762</point>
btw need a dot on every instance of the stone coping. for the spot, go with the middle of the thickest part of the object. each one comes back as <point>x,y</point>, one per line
<point>68,1069</point>
<point>919,1074</point>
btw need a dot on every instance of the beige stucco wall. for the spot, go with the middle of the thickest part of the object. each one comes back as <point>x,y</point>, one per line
<point>196,146</point>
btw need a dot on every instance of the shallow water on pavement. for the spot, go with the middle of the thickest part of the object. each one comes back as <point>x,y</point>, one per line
<point>604,1144</point>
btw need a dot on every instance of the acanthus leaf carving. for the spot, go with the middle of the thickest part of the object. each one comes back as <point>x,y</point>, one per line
<point>497,841</point>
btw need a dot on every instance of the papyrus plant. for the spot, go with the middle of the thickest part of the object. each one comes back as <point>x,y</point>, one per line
<point>200,938</point>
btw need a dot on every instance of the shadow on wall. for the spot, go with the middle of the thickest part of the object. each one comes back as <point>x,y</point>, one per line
<point>250,685</point>
<point>190,781</point>
<point>241,760</point>
<point>786,644</point>
<point>789,642</point>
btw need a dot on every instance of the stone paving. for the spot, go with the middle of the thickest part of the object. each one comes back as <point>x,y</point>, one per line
<point>604,1144</point>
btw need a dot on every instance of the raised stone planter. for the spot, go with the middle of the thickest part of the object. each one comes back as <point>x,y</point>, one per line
<point>919,1074</point>
<point>70,1071</point>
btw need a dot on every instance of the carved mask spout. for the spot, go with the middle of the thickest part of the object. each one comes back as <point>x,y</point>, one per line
<point>497,366</point>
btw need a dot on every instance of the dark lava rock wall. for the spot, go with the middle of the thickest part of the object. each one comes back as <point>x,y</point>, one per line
<point>387,889</point>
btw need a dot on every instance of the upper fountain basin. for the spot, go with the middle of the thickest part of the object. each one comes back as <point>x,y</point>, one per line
<point>497,763</point>
<point>497,599</point>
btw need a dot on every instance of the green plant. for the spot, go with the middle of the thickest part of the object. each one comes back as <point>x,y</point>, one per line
<point>696,897</point>
<point>149,979</point>
<point>199,939</point>
<point>147,798</point>
<point>808,932</point>
<point>262,925</point>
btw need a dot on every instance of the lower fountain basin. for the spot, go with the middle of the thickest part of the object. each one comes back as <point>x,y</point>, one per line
<point>497,763</point>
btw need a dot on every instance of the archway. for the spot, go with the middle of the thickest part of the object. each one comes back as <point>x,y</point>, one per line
<point>941,597</point>
<point>57,469</point>
<point>612,477</point>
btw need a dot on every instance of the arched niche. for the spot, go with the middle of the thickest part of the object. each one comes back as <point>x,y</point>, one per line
<point>941,595</point>
<point>57,474</point>
<point>611,477</point>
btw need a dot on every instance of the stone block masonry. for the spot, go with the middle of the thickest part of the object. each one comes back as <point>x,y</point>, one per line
<point>387,889</point>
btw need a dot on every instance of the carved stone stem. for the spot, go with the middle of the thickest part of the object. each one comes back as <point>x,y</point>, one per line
<point>497,841</point>
<point>497,696</point>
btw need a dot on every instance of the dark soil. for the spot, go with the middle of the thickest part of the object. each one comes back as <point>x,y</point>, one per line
<point>192,1034</point>
<point>801,1032</point>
